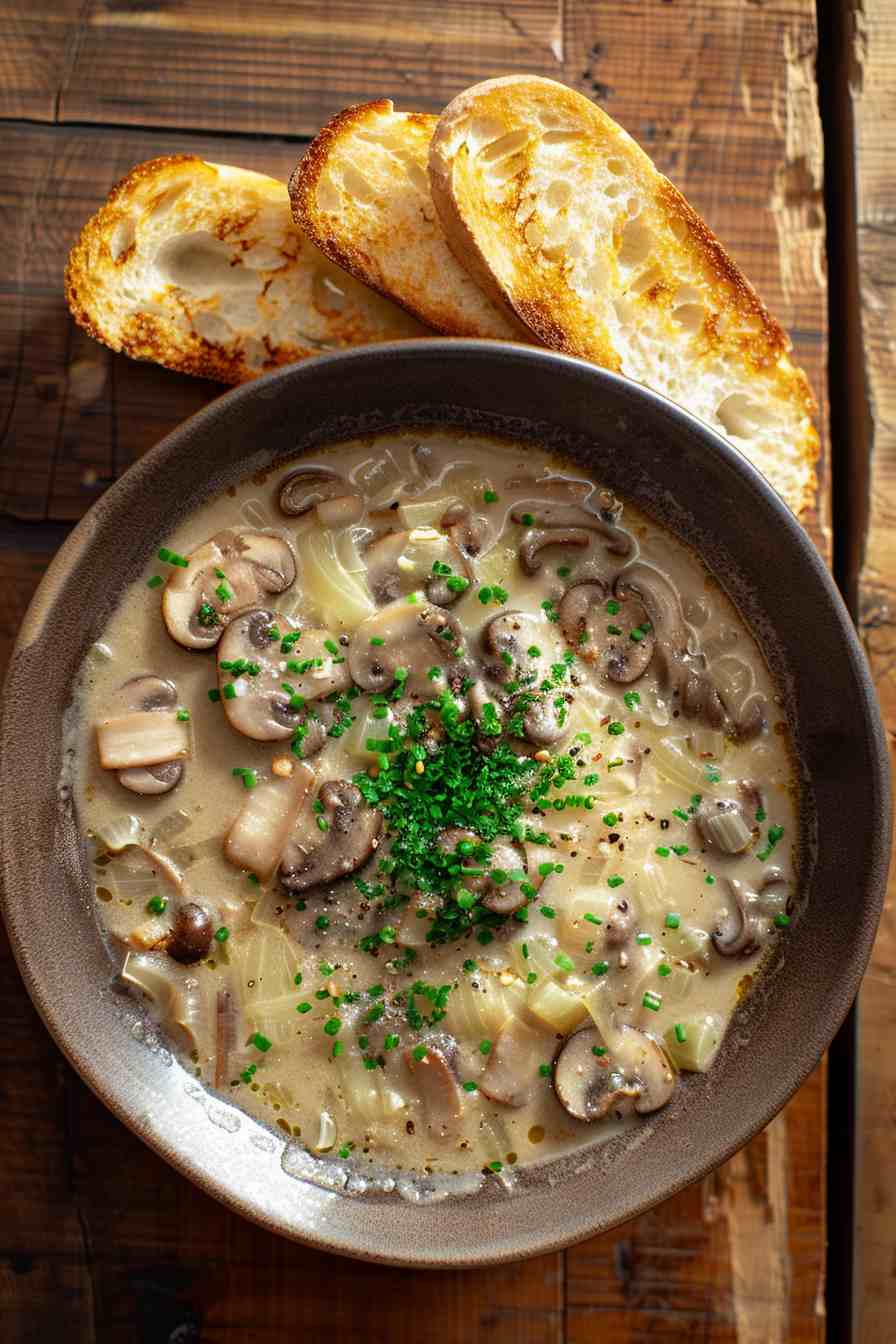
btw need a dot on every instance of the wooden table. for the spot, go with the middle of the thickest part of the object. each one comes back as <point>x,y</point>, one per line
<point>103,1242</point>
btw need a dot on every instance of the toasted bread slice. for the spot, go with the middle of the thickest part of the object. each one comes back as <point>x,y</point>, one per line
<point>200,267</point>
<point>554,208</point>
<point>361,193</point>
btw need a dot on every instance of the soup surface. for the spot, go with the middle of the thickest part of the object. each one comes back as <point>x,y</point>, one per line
<point>441,808</point>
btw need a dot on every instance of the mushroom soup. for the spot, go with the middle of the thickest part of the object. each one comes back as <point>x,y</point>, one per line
<point>442,809</point>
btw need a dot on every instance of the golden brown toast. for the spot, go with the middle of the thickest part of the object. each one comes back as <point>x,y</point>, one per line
<point>361,193</point>
<point>200,267</point>
<point>557,211</point>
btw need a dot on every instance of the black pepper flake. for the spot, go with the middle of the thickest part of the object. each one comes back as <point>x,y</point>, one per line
<point>664,824</point>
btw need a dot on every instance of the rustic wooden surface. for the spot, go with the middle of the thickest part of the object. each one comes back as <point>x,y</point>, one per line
<point>872,74</point>
<point>101,1241</point>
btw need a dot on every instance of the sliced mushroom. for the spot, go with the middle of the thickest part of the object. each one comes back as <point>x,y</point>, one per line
<point>545,716</point>
<point>140,696</point>
<point>724,825</point>
<point>635,1075</point>
<point>536,539</point>
<point>509,1077</point>
<point>259,834</point>
<point>401,562</point>
<point>231,571</point>
<point>437,1083</point>
<point>191,934</point>
<point>468,530</point>
<point>350,836</point>
<point>620,923</point>
<point>586,1085</point>
<point>506,640</point>
<point>774,893</point>
<point>414,636</point>
<point>250,658</point>
<point>678,670</point>
<point>751,720</point>
<point>652,1070</point>
<point>302,489</point>
<point>587,625</point>
<point>558,503</point>
<point>744,928</point>
<point>501,896</point>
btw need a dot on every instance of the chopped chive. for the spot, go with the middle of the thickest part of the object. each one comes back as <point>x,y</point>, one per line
<point>470,1086</point>
<point>490,496</point>
<point>644,939</point>
<point>631,699</point>
<point>527,519</point>
<point>260,1042</point>
<point>222,934</point>
<point>419,1052</point>
<point>333,1026</point>
<point>615,728</point>
<point>610,819</point>
<point>157,905</point>
<point>544,1070</point>
<point>681,1034</point>
<point>485,1047</point>
<point>183,716</point>
<point>229,691</point>
<point>680,850</point>
<point>663,970</point>
<point>615,881</point>
<point>214,695</point>
<point>322,923</point>
<point>600,968</point>
<point>662,851</point>
<point>155,582</point>
<point>782,921</point>
<point>652,1001</point>
<point>673,921</point>
<point>377,642</point>
<point>564,962</point>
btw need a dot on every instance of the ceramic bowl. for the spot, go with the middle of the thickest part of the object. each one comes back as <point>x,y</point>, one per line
<point>666,462</point>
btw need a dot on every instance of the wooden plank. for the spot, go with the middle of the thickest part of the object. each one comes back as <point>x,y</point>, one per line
<point>285,68</point>
<point>37,44</point>
<point>872,73</point>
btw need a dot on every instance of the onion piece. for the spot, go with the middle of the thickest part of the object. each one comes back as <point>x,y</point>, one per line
<point>260,832</point>
<point>556,1006</point>
<point>146,737</point>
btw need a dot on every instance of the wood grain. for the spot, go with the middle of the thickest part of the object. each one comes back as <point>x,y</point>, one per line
<point>873,70</point>
<point>104,1242</point>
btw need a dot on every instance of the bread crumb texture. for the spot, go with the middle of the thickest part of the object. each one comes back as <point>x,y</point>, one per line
<point>200,267</point>
<point>554,207</point>
<point>362,194</point>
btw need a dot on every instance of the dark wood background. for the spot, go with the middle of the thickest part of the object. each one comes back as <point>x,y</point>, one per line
<point>101,1241</point>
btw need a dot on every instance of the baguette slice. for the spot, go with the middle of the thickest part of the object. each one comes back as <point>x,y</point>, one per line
<point>200,267</point>
<point>361,193</point>
<point>555,209</point>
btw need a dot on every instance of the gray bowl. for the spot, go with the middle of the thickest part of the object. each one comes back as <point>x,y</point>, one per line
<point>663,460</point>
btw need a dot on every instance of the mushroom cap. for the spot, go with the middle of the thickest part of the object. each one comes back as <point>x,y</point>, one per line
<point>415,636</point>
<point>470,532</point>
<point>585,623</point>
<point>509,1077</point>
<point>254,565</point>
<point>144,693</point>
<point>191,934</point>
<point>351,836</point>
<point>585,1087</point>
<point>149,780</point>
<point>536,539</point>
<point>502,896</point>
<point>557,513</point>
<point>261,708</point>
<point>745,928</point>
<point>306,486</point>
<point>437,1082</point>
<point>636,1073</point>
<point>620,923</point>
<point>401,562</point>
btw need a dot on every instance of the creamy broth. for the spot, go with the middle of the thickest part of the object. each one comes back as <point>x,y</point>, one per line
<point>485,826</point>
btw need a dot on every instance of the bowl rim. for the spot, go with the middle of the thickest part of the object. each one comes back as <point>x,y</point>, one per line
<point>843,991</point>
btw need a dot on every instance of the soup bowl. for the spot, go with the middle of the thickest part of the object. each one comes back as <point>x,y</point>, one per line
<point>674,468</point>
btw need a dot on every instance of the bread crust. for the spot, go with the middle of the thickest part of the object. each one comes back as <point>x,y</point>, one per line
<point>117,292</point>
<point>373,251</point>
<point>487,233</point>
